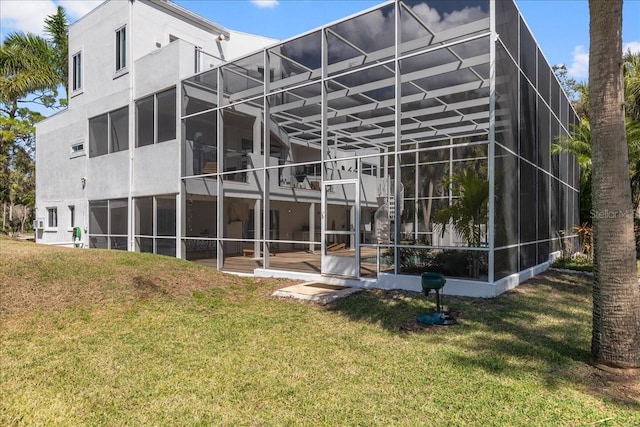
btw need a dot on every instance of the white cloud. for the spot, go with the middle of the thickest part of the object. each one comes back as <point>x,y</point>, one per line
<point>633,46</point>
<point>77,9</point>
<point>265,3</point>
<point>29,15</point>
<point>579,68</point>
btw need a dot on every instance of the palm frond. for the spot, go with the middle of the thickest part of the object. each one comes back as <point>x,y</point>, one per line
<point>57,28</point>
<point>632,84</point>
<point>577,143</point>
<point>469,211</point>
<point>26,65</point>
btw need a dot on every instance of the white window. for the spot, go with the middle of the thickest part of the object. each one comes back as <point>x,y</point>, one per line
<point>52,217</point>
<point>72,216</point>
<point>77,149</point>
<point>76,67</point>
<point>121,48</point>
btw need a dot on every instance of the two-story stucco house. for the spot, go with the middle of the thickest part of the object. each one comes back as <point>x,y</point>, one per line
<point>412,136</point>
<point>119,138</point>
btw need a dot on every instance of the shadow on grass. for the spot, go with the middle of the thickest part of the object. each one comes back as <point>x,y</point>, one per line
<point>541,329</point>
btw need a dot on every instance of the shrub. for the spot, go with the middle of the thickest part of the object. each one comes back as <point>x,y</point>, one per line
<point>578,262</point>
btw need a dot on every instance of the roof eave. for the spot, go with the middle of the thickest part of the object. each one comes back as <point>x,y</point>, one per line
<point>190,16</point>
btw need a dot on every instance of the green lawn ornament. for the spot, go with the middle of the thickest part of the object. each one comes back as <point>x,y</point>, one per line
<point>77,236</point>
<point>435,281</point>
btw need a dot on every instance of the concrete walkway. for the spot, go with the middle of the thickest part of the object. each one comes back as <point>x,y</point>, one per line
<point>316,292</point>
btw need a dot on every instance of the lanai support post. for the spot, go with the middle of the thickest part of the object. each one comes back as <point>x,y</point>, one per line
<point>312,226</point>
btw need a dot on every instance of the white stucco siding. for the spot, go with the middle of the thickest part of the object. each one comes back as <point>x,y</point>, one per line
<point>108,176</point>
<point>59,176</point>
<point>111,102</point>
<point>163,68</point>
<point>156,169</point>
<point>94,35</point>
<point>157,71</point>
<point>240,44</point>
<point>158,26</point>
<point>59,170</point>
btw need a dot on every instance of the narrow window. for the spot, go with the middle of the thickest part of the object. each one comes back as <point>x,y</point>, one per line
<point>99,135</point>
<point>166,116</point>
<point>77,72</point>
<point>72,216</point>
<point>52,214</point>
<point>144,122</point>
<point>121,48</point>
<point>119,130</point>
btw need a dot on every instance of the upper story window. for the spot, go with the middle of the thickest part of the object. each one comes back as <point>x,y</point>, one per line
<point>76,71</point>
<point>156,118</point>
<point>109,133</point>
<point>121,48</point>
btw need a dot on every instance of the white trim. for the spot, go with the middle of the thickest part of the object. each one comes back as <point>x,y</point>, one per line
<point>118,52</point>
<point>72,66</point>
<point>75,153</point>
<point>48,226</point>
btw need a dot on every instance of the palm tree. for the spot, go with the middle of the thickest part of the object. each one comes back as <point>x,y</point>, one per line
<point>30,66</point>
<point>429,175</point>
<point>56,26</point>
<point>469,212</point>
<point>578,143</point>
<point>632,84</point>
<point>616,295</point>
<point>26,66</point>
<point>30,63</point>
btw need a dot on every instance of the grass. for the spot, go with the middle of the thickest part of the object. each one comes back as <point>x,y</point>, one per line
<point>93,337</point>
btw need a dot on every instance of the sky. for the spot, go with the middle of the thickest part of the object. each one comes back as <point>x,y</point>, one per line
<point>561,27</point>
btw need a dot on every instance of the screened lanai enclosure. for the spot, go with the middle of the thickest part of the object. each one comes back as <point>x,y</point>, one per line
<point>411,137</point>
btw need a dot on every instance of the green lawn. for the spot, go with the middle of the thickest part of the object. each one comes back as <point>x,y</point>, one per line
<point>92,337</point>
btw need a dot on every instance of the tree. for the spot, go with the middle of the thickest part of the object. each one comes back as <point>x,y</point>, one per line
<point>632,84</point>
<point>31,70</point>
<point>578,143</point>
<point>468,214</point>
<point>569,84</point>
<point>56,26</point>
<point>616,294</point>
<point>27,67</point>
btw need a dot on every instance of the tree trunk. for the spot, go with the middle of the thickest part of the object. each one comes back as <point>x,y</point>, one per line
<point>426,210</point>
<point>616,293</point>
